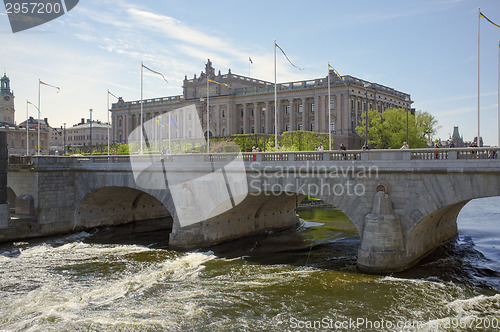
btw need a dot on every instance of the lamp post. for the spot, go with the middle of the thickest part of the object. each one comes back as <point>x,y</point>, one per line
<point>64,139</point>
<point>90,110</point>
<point>208,114</point>
<point>27,127</point>
<point>27,130</point>
<point>407,102</point>
<point>366,85</point>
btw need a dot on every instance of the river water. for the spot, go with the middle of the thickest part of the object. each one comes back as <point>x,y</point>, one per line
<point>299,279</point>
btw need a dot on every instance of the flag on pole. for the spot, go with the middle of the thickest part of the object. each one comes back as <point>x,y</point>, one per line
<point>487,19</point>
<point>250,59</point>
<point>155,72</point>
<point>113,94</point>
<point>159,122</point>
<point>336,73</point>
<point>29,102</point>
<point>173,122</point>
<point>43,83</point>
<point>276,45</point>
<point>219,83</point>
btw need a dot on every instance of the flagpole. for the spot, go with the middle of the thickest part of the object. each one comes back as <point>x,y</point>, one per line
<point>27,130</point>
<point>169,130</point>
<point>498,93</point>
<point>329,114</point>
<point>142,86</point>
<point>478,72</point>
<point>208,117</point>
<point>275,104</point>
<point>107,109</point>
<point>38,121</point>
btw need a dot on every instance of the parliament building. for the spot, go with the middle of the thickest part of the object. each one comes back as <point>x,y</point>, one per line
<point>245,105</point>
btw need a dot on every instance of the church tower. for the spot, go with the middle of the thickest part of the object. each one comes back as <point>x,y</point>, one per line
<point>6,101</point>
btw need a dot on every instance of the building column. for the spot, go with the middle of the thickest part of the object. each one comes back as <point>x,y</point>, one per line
<point>279,118</point>
<point>245,118</point>
<point>316,115</point>
<point>323,114</point>
<point>293,115</point>
<point>347,113</point>
<point>268,118</point>
<point>304,114</point>
<point>257,117</point>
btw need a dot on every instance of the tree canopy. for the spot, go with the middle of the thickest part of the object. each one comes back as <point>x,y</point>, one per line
<point>387,130</point>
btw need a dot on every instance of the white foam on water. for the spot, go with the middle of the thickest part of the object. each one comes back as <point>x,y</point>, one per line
<point>57,302</point>
<point>480,305</point>
<point>476,313</point>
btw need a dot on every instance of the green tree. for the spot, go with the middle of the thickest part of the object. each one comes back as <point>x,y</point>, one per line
<point>387,130</point>
<point>426,124</point>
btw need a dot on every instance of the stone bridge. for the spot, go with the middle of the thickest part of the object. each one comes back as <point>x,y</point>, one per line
<point>404,203</point>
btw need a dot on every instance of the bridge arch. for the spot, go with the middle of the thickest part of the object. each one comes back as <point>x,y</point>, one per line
<point>11,197</point>
<point>260,210</point>
<point>117,205</point>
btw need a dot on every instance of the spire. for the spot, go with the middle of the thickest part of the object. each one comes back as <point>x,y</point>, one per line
<point>5,85</point>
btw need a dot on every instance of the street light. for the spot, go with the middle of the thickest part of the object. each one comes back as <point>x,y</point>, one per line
<point>366,85</point>
<point>90,110</point>
<point>64,138</point>
<point>27,126</point>
<point>407,99</point>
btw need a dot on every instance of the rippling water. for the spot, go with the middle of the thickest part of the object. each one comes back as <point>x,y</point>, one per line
<point>296,279</point>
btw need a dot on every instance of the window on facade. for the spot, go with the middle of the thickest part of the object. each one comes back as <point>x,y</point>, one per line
<point>332,126</point>
<point>352,104</point>
<point>263,130</point>
<point>287,109</point>
<point>359,105</point>
<point>253,111</point>
<point>300,108</point>
<point>253,130</point>
<point>287,128</point>
<point>119,122</point>
<point>223,131</point>
<point>189,116</point>
<point>223,113</point>
<point>241,111</point>
<point>241,131</point>
<point>299,126</point>
<point>312,126</point>
<point>312,107</point>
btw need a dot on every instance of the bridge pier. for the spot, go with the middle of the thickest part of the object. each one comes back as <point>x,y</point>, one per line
<point>382,247</point>
<point>385,249</point>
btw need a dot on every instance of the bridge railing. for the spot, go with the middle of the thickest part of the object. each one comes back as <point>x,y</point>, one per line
<point>337,156</point>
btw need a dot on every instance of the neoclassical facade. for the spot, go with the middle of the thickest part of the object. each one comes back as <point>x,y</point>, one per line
<point>243,105</point>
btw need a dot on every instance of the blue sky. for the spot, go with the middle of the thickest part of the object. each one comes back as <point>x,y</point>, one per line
<point>427,48</point>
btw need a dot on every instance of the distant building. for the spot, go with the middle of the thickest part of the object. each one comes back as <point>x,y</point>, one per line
<point>245,105</point>
<point>18,136</point>
<point>6,101</point>
<point>87,133</point>
<point>456,139</point>
<point>55,142</point>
